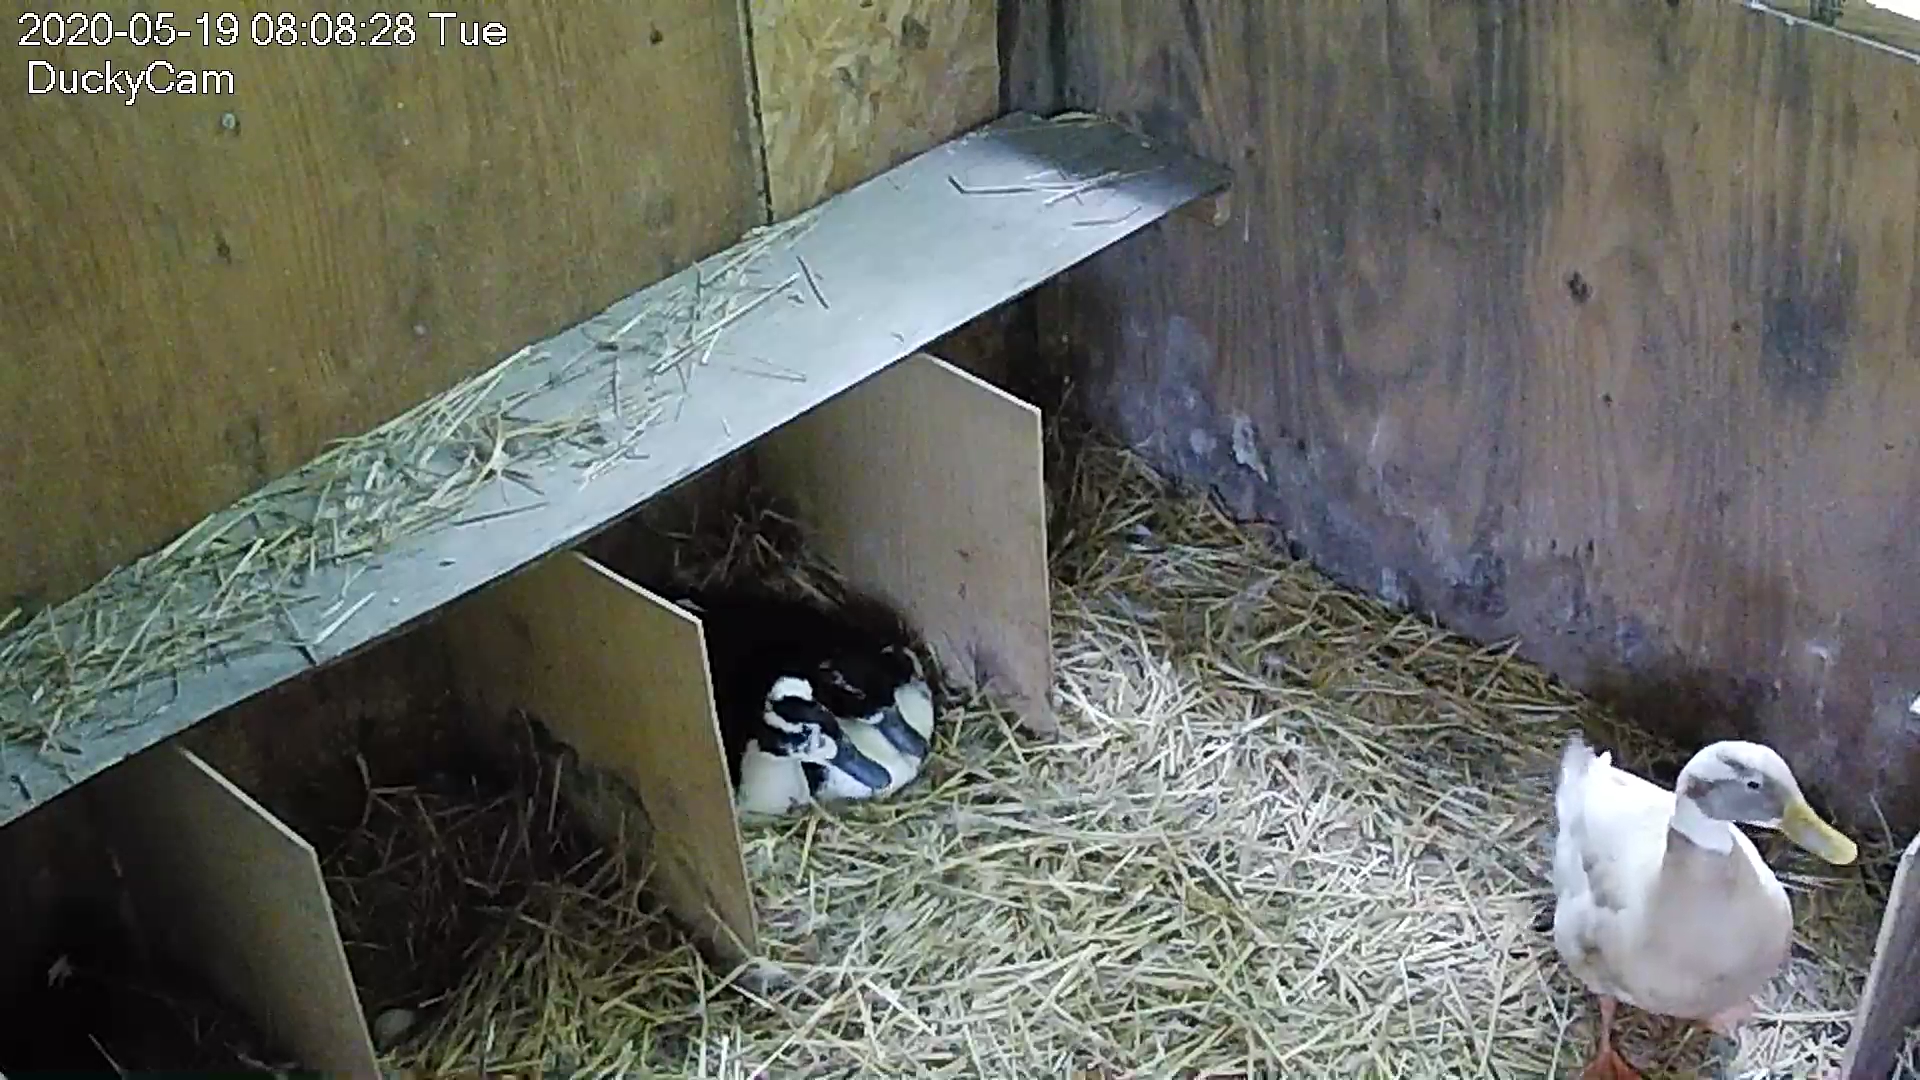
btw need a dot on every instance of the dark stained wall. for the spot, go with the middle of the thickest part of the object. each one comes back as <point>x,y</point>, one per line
<point>1598,324</point>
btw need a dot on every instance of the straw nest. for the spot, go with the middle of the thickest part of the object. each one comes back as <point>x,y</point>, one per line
<point>276,569</point>
<point>1285,831</point>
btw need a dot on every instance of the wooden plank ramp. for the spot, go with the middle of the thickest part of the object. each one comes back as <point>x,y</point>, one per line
<point>588,425</point>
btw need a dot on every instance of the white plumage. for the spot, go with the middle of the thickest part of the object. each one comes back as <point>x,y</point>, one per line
<point>1660,901</point>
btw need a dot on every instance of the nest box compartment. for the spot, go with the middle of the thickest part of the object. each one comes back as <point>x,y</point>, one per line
<point>209,887</point>
<point>923,485</point>
<point>920,482</point>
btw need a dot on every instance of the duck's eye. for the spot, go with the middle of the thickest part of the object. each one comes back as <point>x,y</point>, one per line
<point>1753,785</point>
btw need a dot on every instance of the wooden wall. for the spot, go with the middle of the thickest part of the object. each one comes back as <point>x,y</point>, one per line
<point>1864,19</point>
<point>1598,324</point>
<point>197,293</point>
<point>190,307</point>
<point>850,90</point>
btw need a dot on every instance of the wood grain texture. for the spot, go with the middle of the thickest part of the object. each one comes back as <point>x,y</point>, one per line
<point>848,90</point>
<point>621,676</point>
<point>948,256</point>
<point>924,486</point>
<point>189,308</point>
<point>1594,324</point>
<point>1861,19</point>
<point>219,883</point>
<point>1890,1000</point>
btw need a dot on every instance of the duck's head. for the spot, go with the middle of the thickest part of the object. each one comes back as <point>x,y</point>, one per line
<point>884,688</point>
<point>798,727</point>
<point>864,681</point>
<point>1748,783</point>
<point>904,664</point>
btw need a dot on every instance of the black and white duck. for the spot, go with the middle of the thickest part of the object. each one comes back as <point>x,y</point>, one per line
<point>854,666</point>
<point>883,700</point>
<point>795,752</point>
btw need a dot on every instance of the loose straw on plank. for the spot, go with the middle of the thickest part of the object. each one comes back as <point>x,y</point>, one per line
<point>230,583</point>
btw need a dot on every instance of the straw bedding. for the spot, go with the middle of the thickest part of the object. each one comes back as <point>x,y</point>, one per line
<point>277,568</point>
<point>1285,831</point>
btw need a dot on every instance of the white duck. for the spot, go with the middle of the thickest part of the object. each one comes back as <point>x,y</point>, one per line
<point>1661,902</point>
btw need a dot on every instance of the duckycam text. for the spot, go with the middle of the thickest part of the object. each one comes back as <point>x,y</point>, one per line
<point>127,83</point>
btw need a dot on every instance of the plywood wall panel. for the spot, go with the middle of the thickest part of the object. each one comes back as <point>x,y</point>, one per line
<point>848,90</point>
<point>1594,324</point>
<point>196,293</point>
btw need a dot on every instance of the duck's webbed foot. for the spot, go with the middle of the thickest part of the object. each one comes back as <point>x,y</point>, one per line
<point>1723,1040</point>
<point>1723,1056</point>
<point>1607,1064</point>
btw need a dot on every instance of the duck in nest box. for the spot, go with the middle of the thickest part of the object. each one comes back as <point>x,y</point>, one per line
<point>882,700</point>
<point>1661,902</point>
<point>855,661</point>
<point>796,753</point>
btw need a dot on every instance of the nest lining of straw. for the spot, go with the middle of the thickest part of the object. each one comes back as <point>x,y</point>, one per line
<point>234,581</point>
<point>1285,830</point>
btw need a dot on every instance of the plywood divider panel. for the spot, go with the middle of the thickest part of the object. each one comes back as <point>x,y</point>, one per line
<point>1890,1001</point>
<point>621,675</point>
<point>219,882</point>
<point>924,485</point>
<point>904,258</point>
